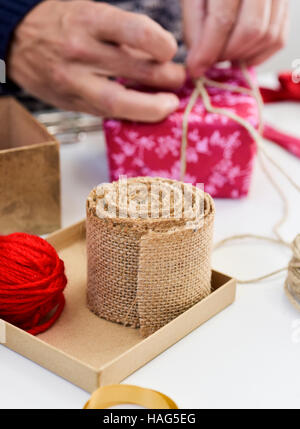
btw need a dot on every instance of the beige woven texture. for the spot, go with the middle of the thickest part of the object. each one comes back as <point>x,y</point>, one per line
<point>144,271</point>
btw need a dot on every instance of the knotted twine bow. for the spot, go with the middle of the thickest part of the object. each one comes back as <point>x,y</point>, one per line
<point>292,284</point>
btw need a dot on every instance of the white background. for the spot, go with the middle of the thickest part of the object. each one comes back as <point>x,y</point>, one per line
<point>247,356</point>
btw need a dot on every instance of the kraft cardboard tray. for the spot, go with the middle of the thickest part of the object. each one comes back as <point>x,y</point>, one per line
<point>91,352</point>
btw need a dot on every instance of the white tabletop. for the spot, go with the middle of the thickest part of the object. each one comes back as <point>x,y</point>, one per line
<point>247,356</point>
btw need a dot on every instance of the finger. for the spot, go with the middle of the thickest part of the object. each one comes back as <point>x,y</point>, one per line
<point>252,25</point>
<point>278,43</point>
<point>271,39</point>
<point>261,57</point>
<point>193,15</point>
<point>109,60</point>
<point>110,99</point>
<point>112,24</point>
<point>216,30</point>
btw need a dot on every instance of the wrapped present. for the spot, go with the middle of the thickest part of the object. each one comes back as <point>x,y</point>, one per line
<point>220,153</point>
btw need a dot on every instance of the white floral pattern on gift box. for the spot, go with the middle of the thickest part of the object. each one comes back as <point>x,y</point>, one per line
<point>220,152</point>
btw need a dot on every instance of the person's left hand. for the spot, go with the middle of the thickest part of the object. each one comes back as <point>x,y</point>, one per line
<point>233,30</point>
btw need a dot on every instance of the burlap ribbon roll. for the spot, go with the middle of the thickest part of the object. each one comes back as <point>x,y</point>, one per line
<point>149,244</point>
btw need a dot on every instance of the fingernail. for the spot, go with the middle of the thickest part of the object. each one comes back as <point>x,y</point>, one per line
<point>172,103</point>
<point>198,72</point>
<point>195,68</point>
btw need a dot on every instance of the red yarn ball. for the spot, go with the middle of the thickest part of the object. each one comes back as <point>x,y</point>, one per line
<point>32,280</point>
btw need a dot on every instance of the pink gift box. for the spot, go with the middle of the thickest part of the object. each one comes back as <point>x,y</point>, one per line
<point>220,152</point>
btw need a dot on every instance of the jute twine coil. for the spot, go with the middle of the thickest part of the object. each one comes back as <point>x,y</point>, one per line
<point>145,271</point>
<point>292,283</point>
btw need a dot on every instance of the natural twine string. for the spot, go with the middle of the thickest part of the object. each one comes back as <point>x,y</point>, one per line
<point>292,283</point>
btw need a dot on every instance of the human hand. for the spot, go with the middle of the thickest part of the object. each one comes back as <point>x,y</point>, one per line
<point>234,30</point>
<point>66,52</point>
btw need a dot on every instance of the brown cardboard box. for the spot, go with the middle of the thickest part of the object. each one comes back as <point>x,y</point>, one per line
<point>29,173</point>
<point>92,352</point>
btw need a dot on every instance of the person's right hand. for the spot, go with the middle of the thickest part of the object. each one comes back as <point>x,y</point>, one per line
<point>66,52</point>
<point>250,31</point>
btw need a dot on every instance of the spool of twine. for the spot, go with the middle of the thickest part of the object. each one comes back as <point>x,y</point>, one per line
<point>149,254</point>
<point>292,283</point>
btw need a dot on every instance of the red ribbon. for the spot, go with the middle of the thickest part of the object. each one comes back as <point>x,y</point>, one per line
<point>286,141</point>
<point>287,90</point>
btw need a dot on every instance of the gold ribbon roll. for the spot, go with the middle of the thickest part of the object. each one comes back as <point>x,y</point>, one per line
<point>120,394</point>
<point>149,244</point>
